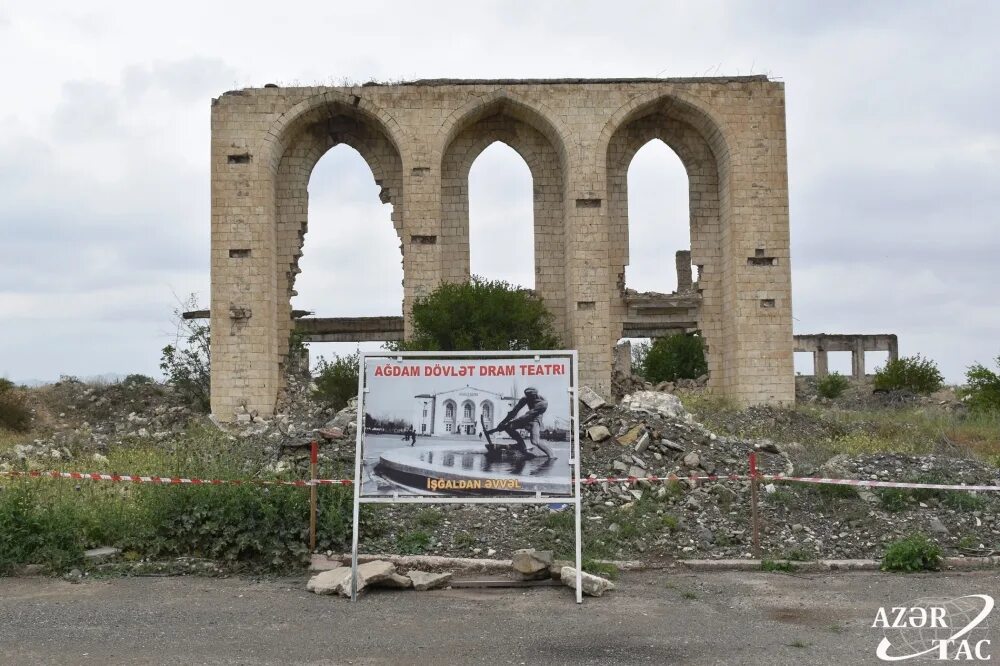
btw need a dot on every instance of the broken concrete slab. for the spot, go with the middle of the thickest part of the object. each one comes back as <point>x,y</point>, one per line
<point>97,555</point>
<point>632,435</point>
<point>591,398</point>
<point>423,580</point>
<point>593,586</point>
<point>338,581</point>
<point>397,582</point>
<point>598,433</point>
<point>330,582</point>
<point>529,563</point>
<point>323,562</point>
<point>653,402</point>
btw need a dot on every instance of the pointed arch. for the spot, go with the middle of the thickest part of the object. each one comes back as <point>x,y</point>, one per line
<point>297,140</point>
<point>538,140</point>
<point>695,138</point>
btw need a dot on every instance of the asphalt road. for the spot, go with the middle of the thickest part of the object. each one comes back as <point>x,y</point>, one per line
<point>653,618</point>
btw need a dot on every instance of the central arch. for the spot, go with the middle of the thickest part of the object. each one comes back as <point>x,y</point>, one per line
<point>537,141</point>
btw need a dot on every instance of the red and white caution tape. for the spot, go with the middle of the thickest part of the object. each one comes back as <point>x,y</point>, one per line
<point>591,480</point>
<point>586,481</point>
<point>875,484</point>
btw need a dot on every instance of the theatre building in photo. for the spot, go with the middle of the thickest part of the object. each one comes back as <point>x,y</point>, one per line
<point>457,412</point>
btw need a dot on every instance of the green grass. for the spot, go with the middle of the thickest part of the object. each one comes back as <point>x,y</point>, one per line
<point>773,566</point>
<point>51,522</point>
<point>894,499</point>
<point>9,439</point>
<point>413,543</point>
<point>599,568</point>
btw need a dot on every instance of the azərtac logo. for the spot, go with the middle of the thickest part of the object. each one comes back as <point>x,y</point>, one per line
<point>936,629</point>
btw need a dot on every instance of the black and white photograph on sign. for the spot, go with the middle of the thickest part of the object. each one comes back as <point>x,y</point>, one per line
<point>467,426</point>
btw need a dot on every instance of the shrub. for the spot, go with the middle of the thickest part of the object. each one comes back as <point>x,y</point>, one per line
<point>480,315</point>
<point>914,553</point>
<point>336,382</point>
<point>234,524</point>
<point>832,385</point>
<point>909,373</point>
<point>137,380</point>
<point>186,364</point>
<point>982,390</point>
<point>675,357</point>
<point>14,412</point>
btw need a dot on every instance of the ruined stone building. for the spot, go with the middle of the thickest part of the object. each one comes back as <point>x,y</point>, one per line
<point>577,138</point>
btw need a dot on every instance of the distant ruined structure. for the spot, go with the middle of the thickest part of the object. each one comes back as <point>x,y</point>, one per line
<point>578,137</point>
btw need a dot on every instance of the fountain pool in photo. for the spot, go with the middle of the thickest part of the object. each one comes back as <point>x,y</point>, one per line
<point>462,466</point>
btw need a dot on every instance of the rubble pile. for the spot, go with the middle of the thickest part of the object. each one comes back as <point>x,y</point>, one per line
<point>648,433</point>
<point>76,416</point>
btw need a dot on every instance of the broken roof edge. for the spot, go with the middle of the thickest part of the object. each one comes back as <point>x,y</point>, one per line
<point>474,82</point>
<point>675,79</point>
<point>756,78</point>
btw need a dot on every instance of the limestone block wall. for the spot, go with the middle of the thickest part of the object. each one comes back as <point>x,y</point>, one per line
<point>577,137</point>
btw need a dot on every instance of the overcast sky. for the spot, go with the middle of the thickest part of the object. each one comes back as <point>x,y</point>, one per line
<point>893,137</point>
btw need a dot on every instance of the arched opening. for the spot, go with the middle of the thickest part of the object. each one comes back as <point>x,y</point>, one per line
<point>336,164</point>
<point>664,214</point>
<point>487,413</point>
<point>449,416</point>
<point>350,264</point>
<point>659,220</point>
<point>468,425</point>
<point>501,217</point>
<point>529,253</point>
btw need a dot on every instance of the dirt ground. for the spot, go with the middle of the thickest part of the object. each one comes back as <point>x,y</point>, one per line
<point>654,617</point>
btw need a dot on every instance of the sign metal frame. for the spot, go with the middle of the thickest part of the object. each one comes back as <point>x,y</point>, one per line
<point>574,499</point>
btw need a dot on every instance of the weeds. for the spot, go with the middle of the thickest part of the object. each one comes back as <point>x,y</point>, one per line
<point>429,518</point>
<point>773,566</point>
<point>599,568</point>
<point>914,553</point>
<point>413,543</point>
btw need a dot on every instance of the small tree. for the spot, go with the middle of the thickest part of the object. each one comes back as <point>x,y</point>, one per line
<point>186,364</point>
<point>480,315</point>
<point>14,411</point>
<point>336,382</point>
<point>675,357</point>
<point>909,373</point>
<point>982,391</point>
<point>832,385</point>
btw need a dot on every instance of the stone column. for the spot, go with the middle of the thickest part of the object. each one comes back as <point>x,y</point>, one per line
<point>421,231</point>
<point>683,262</point>
<point>587,294</point>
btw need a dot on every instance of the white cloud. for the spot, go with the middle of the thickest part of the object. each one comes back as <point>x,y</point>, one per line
<point>894,147</point>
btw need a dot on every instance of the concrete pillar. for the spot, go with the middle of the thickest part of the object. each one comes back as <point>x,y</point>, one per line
<point>821,365</point>
<point>683,262</point>
<point>893,349</point>
<point>858,360</point>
